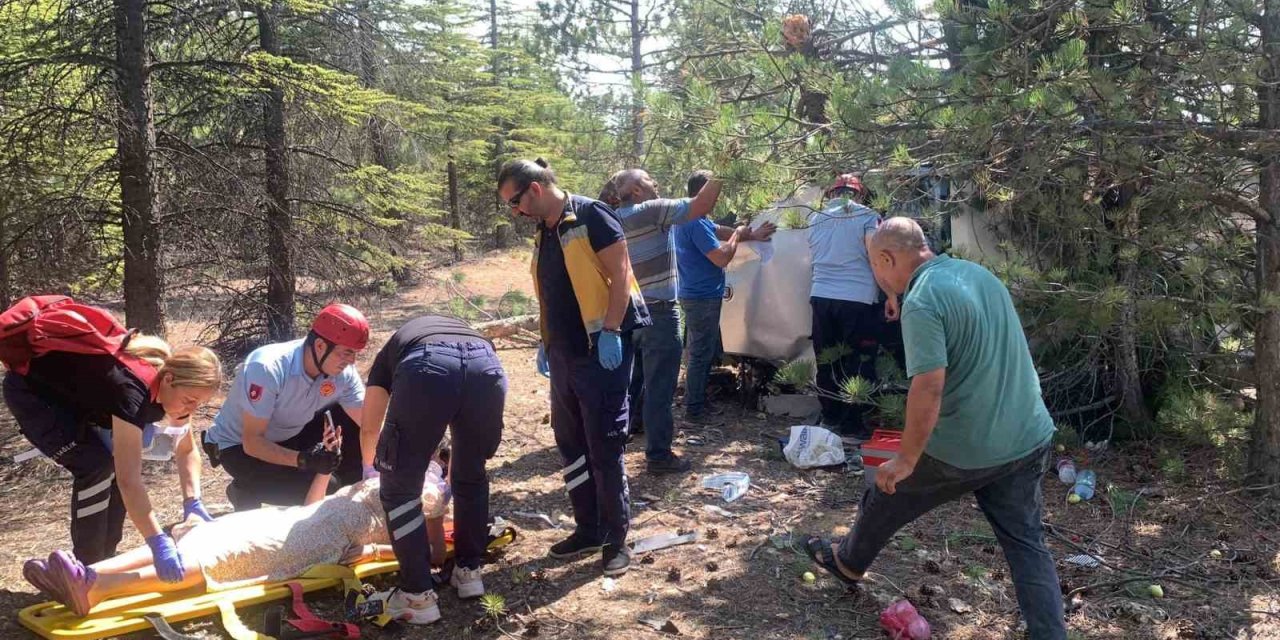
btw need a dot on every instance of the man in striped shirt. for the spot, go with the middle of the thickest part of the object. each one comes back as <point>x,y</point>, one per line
<point>648,221</point>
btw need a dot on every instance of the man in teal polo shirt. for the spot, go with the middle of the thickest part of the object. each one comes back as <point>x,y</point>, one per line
<point>975,421</point>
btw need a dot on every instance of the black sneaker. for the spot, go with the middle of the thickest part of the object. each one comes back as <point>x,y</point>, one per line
<point>672,464</point>
<point>616,559</point>
<point>573,546</point>
<point>703,418</point>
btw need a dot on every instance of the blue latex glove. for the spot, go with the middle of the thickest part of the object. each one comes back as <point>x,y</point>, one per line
<point>544,367</point>
<point>369,471</point>
<point>164,555</point>
<point>193,505</point>
<point>610,350</point>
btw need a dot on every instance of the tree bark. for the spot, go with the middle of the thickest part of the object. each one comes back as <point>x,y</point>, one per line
<point>369,77</point>
<point>1127,374</point>
<point>1264,450</point>
<point>455,213</point>
<point>135,152</point>
<point>281,284</point>
<point>500,229</point>
<point>637,83</point>
<point>1133,406</point>
<point>6,291</point>
<point>376,128</point>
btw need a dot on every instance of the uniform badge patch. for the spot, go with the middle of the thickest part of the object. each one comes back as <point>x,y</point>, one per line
<point>327,388</point>
<point>255,392</point>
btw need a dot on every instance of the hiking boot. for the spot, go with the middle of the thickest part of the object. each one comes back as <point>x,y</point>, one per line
<point>616,559</point>
<point>573,546</point>
<point>467,582</point>
<point>671,464</point>
<point>414,608</point>
<point>703,418</point>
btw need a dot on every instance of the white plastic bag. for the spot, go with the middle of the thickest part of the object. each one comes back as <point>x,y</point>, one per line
<point>810,447</point>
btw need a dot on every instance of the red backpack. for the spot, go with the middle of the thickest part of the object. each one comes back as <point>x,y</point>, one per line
<point>37,325</point>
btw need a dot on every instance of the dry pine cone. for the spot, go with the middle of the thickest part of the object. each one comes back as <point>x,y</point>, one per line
<point>796,30</point>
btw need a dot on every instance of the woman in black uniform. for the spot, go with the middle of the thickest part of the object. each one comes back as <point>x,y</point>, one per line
<point>435,372</point>
<point>64,396</point>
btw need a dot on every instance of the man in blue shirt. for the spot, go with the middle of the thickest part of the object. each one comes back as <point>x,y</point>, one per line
<point>976,423</point>
<point>270,432</point>
<point>847,321</point>
<point>701,259</point>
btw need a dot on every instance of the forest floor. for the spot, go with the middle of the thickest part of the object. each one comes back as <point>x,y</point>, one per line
<point>744,577</point>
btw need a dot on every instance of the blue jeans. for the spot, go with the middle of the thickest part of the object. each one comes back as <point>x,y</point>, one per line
<point>456,385</point>
<point>653,380</point>
<point>1009,495</point>
<point>702,322</point>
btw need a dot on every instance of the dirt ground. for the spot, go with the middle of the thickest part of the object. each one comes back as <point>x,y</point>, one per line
<point>744,577</point>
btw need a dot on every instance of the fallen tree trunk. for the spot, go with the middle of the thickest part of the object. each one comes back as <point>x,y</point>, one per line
<point>508,327</point>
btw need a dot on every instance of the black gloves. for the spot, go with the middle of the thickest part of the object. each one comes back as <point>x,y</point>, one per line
<point>319,460</point>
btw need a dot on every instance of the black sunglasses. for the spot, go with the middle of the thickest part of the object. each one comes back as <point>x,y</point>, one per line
<point>515,200</point>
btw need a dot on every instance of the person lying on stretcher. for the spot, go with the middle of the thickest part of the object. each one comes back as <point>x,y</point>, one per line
<point>251,547</point>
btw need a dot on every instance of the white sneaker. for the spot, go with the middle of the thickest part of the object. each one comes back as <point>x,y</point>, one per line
<point>467,582</point>
<point>414,608</point>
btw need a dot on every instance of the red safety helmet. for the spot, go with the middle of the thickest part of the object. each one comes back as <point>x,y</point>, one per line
<point>342,324</point>
<point>847,181</point>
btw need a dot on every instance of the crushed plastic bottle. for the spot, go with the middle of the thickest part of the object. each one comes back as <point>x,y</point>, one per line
<point>903,622</point>
<point>732,485</point>
<point>1066,470</point>
<point>1085,482</point>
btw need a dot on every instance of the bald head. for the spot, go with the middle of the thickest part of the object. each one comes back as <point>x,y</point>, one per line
<point>634,185</point>
<point>899,235</point>
<point>897,249</point>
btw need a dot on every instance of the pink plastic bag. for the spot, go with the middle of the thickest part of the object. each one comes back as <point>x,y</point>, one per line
<point>903,622</point>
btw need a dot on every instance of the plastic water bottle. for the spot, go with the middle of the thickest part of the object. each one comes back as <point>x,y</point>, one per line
<point>732,485</point>
<point>903,622</point>
<point>1085,481</point>
<point>1066,471</point>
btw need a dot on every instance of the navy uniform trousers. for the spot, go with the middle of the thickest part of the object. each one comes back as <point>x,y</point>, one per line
<point>589,415</point>
<point>97,509</point>
<point>460,385</point>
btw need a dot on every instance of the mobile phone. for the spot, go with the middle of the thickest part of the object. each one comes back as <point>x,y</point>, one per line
<point>330,431</point>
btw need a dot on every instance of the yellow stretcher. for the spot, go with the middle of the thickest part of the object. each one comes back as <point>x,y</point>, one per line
<point>120,616</point>
<point>126,615</point>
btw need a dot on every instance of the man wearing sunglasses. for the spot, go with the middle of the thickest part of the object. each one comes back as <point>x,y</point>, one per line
<point>589,304</point>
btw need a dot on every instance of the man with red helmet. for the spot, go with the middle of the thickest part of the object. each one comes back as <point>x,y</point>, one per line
<point>271,432</point>
<point>847,317</point>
